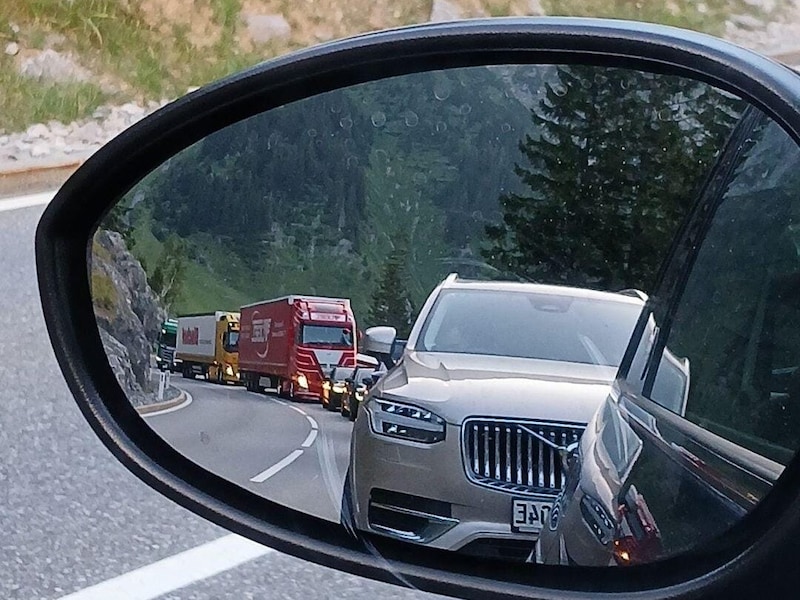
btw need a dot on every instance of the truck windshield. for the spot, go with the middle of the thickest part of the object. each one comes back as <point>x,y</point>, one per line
<point>564,328</point>
<point>231,341</point>
<point>167,339</point>
<point>323,335</point>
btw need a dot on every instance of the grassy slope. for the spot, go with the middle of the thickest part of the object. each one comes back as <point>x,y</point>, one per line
<point>148,58</point>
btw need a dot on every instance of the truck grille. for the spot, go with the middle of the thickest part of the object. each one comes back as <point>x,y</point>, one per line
<point>166,354</point>
<point>516,456</point>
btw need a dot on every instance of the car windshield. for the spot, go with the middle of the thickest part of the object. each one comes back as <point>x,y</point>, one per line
<point>530,325</point>
<point>322,335</point>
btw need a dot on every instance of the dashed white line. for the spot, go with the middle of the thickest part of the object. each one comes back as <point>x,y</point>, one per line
<point>26,201</point>
<point>277,467</point>
<point>312,435</point>
<point>294,455</point>
<point>175,572</point>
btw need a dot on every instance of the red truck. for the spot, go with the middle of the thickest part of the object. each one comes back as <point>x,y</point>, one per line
<point>293,343</point>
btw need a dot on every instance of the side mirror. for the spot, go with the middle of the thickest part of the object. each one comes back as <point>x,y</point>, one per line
<point>564,151</point>
<point>379,340</point>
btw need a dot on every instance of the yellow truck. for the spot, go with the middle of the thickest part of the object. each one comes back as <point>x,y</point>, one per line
<point>208,345</point>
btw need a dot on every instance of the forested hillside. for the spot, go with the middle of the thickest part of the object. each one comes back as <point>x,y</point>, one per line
<point>567,175</point>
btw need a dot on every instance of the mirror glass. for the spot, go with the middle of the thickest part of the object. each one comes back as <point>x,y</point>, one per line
<point>404,306</point>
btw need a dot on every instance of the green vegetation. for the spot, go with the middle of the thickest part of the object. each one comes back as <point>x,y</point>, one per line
<point>708,16</point>
<point>586,217</point>
<point>149,50</point>
<point>377,192</point>
<point>391,302</point>
<point>25,101</point>
<point>104,295</point>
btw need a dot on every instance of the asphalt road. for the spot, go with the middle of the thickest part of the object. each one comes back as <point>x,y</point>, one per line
<point>292,453</point>
<point>70,515</point>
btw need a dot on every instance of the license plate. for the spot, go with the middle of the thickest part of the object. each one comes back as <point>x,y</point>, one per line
<point>529,516</point>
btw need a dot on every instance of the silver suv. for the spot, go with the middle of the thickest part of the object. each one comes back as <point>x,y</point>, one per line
<point>460,446</point>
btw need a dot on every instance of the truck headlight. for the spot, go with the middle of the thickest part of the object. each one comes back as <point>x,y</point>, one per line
<point>339,388</point>
<point>302,381</point>
<point>228,370</point>
<point>406,422</point>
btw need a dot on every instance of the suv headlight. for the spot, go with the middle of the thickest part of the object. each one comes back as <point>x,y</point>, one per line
<point>405,421</point>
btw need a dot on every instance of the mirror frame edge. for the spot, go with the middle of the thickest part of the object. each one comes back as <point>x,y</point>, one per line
<point>68,223</point>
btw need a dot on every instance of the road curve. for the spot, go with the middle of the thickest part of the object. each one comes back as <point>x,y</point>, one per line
<point>291,453</point>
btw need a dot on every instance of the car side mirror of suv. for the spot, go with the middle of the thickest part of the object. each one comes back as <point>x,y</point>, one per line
<point>379,339</point>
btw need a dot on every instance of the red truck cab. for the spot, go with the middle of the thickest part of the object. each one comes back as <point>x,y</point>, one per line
<point>293,343</point>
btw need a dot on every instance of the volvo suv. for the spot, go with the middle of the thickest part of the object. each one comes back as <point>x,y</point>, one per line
<point>461,444</point>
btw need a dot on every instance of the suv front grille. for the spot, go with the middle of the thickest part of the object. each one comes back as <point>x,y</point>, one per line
<point>517,456</point>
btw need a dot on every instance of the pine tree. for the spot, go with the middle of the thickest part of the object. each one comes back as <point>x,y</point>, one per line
<point>618,161</point>
<point>168,274</point>
<point>391,301</point>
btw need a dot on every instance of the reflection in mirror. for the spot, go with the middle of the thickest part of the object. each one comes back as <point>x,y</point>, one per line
<point>398,305</point>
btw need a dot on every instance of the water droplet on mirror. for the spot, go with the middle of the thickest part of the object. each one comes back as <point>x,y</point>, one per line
<point>312,133</point>
<point>505,127</point>
<point>412,120</point>
<point>345,122</point>
<point>441,91</point>
<point>441,126</point>
<point>378,119</point>
<point>352,162</point>
<point>465,109</point>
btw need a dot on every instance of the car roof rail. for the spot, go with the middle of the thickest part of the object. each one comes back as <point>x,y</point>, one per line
<point>635,293</point>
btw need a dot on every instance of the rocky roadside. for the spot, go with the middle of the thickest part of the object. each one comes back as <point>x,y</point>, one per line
<point>129,317</point>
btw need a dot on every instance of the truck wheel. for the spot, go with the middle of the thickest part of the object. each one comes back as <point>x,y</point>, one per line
<point>353,413</point>
<point>282,393</point>
<point>219,376</point>
<point>345,412</point>
<point>187,372</point>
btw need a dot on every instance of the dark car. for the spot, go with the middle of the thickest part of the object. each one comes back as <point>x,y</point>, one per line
<point>356,387</point>
<point>334,387</point>
<point>705,410</point>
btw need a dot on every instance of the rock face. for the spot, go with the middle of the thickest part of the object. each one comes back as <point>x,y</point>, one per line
<point>54,66</point>
<point>445,10</point>
<point>126,310</point>
<point>264,28</point>
<point>120,363</point>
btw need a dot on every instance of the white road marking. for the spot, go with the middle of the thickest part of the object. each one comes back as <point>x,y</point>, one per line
<point>16,202</point>
<point>300,410</point>
<point>277,467</point>
<point>312,435</point>
<point>313,422</point>
<point>175,572</point>
<point>183,404</point>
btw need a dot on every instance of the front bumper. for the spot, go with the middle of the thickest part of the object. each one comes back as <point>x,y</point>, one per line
<point>421,493</point>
